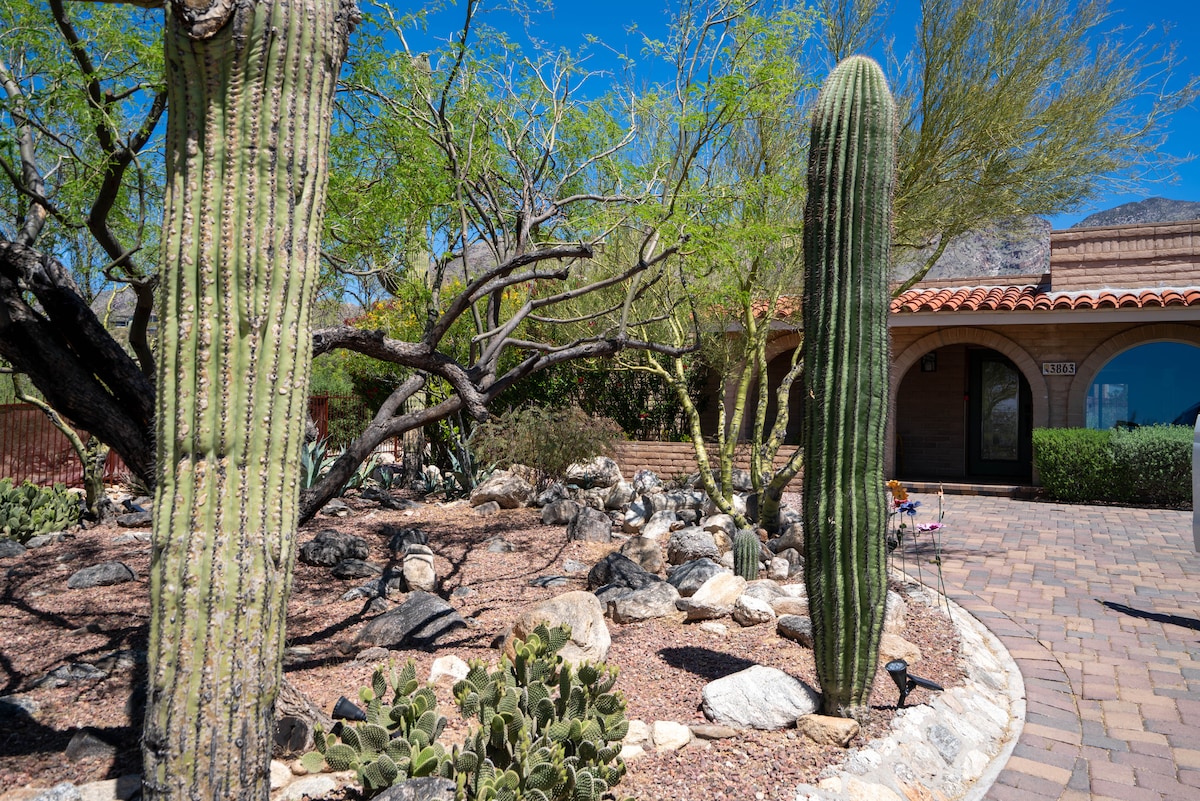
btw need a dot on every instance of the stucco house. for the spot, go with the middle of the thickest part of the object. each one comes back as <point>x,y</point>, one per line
<point>1108,335</point>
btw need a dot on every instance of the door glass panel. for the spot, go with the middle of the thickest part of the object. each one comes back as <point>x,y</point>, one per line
<point>1000,419</point>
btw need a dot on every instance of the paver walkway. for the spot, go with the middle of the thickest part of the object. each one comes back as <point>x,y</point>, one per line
<point>1100,608</point>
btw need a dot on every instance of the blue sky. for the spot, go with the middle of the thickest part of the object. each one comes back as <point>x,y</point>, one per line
<point>571,21</point>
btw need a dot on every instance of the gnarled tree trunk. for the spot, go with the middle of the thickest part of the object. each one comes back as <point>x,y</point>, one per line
<point>251,88</point>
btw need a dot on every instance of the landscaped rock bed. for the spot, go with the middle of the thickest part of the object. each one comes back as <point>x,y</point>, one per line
<point>71,656</point>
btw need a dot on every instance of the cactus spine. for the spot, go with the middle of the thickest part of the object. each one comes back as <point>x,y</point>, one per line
<point>745,554</point>
<point>847,235</point>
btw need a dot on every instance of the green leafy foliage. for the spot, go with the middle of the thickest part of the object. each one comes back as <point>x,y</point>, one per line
<point>1150,465</point>
<point>29,510</point>
<point>547,440</point>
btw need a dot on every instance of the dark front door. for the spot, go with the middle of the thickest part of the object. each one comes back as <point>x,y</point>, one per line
<point>999,423</point>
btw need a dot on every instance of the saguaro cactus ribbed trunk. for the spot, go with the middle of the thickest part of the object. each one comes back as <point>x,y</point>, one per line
<point>251,89</point>
<point>847,235</point>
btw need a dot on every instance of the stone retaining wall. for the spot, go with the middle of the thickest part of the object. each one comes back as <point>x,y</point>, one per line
<point>677,459</point>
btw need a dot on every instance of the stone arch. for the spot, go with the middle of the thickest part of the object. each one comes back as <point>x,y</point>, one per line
<point>964,335</point>
<point>1087,371</point>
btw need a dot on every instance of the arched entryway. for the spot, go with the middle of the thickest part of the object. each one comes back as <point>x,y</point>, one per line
<point>964,409</point>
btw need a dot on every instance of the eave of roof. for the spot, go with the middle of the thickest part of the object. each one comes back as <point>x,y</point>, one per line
<point>1034,297</point>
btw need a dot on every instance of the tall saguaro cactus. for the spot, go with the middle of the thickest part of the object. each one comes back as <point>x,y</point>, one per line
<point>250,86</point>
<point>847,235</point>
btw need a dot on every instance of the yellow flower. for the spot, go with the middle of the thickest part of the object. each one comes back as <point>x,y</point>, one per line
<point>898,492</point>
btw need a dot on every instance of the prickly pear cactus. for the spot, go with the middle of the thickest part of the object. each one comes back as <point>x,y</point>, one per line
<point>847,236</point>
<point>397,741</point>
<point>29,510</point>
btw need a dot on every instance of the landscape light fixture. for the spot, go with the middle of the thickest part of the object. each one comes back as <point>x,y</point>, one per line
<point>907,682</point>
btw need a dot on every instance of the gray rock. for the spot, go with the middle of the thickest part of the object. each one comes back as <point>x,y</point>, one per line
<point>582,612</point>
<point>689,517</point>
<point>635,516</point>
<point>611,592</point>
<point>574,566</point>
<point>758,698</point>
<point>335,507</point>
<point>795,627</point>
<point>132,536</point>
<point>426,788</point>
<point>510,491</point>
<point>646,552</point>
<point>418,569</point>
<point>63,791</point>
<point>719,522</point>
<point>619,496</point>
<point>355,568</point>
<point>660,524</point>
<point>10,548</point>
<point>654,601</point>
<point>101,575</point>
<point>945,741</point>
<point>500,545</point>
<point>792,537</point>
<point>555,492</point>
<point>400,539</point>
<point>42,540</point>
<point>712,731</point>
<point>123,788</point>
<point>691,543</point>
<point>688,577</point>
<point>331,546</point>
<point>134,520</point>
<point>422,621</point>
<point>559,512</point>
<point>716,597</point>
<point>63,675</point>
<point>751,611</point>
<point>375,653</point>
<point>487,508</point>
<point>590,525</point>
<point>87,743</point>
<point>376,588</point>
<point>794,559</point>
<point>17,706</point>
<point>646,481</point>
<point>620,570</point>
<point>599,472</point>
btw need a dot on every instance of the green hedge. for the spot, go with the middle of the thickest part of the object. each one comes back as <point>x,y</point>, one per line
<point>1151,465</point>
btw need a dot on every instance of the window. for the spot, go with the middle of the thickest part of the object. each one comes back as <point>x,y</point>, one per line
<point>1158,382</point>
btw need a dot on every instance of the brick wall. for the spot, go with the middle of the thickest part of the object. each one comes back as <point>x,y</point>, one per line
<point>1152,255</point>
<point>931,418</point>
<point>674,459</point>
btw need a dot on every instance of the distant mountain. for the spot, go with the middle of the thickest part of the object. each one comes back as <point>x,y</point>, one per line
<point>1150,210</point>
<point>1019,246</point>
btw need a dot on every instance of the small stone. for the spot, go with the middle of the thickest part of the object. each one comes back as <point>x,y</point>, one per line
<point>317,785</point>
<point>335,508</point>
<point>500,545</point>
<point>787,605</point>
<point>376,653</point>
<point>63,791</point>
<point>42,540</point>
<point>828,730</point>
<point>549,581</point>
<point>448,669</point>
<point>893,646</point>
<point>134,520</point>
<point>712,731</point>
<point>751,611</point>
<point>669,736</point>
<point>574,566</point>
<point>120,789</point>
<point>281,774</point>
<point>355,568</point>
<point>487,508</point>
<point>779,568</point>
<point>945,741</point>
<point>638,732</point>
<point>716,597</point>
<point>797,628</point>
<point>715,628</point>
<point>631,752</point>
<point>86,743</point>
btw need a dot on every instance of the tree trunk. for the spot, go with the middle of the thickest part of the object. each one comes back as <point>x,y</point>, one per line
<point>250,95</point>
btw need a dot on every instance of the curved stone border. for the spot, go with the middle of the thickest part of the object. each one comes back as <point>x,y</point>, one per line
<point>954,747</point>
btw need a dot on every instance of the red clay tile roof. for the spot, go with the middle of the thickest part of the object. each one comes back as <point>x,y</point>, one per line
<point>1036,298</point>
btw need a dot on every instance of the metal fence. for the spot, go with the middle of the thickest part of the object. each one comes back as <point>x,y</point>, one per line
<point>33,449</point>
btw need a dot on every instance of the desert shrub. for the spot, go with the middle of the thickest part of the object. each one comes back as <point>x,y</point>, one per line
<point>1149,465</point>
<point>29,510</point>
<point>1154,464</point>
<point>1074,464</point>
<point>546,440</point>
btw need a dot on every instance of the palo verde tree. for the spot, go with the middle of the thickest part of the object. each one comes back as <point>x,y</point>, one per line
<point>504,230</point>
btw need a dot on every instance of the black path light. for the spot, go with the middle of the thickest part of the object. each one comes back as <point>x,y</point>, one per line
<point>907,682</point>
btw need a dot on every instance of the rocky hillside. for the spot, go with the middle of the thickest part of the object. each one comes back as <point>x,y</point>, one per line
<point>1150,210</point>
<point>1014,247</point>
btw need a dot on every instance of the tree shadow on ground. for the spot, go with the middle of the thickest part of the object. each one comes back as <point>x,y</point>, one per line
<point>1159,617</point>
<point>704,662</point>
